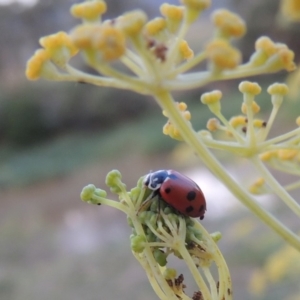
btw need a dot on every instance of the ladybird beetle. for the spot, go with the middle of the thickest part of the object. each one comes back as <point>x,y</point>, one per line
<point>177,190</point>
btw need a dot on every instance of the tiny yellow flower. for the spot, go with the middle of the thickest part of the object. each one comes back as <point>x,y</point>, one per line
<point>155,26</point>
<point>82,35</point>
<point>59,46</point>
<point>284,59</point>
<point>278,89</point>
<point>265,44</point>
<point>287,154</point>
<point>212,100</point>
<point>222,54</point>
<point>238,121</point>
<point>248,87</point>
<point>173,132</point>
<point>291,9</point>
<point>169,128</point>
<point>185,51</point>
<point>89,10</point>
<point>182,106</point>
<point>268,155</point>
<point>228,23</point>
<point>213,124</point>
<point>196,4</point>
<point>172,12</point>
<point>278,56</point>
<point>258,123</point>
<point>111,42</point>
<point>211,97</point>
<point>298,121</point>
<point>132,23</point>
<point>257,186</point>
<point>255,108</point>
<point>38,64</point>
<point>108,40</point>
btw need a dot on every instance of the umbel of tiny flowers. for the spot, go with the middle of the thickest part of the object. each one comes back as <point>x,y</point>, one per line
<point>154,51</point>
<point>158,60</point>
<point>246,136</point>
<point>159,232</point>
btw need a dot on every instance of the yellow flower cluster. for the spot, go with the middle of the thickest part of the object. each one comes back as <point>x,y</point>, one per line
<point>222,54</point>
<point>58,49</point>
<point>132,23</point>
<point>185,51</point>
<point>38,64</point>
<point>169,128</point>
<point>291,9</point>
<point>258,187</point>
<point>228,24</point>
<point>155,26</point>
<point>105,41</point>
<point>89,10</point>
<point>281,155</point>
<point>276,55</point>
<point>254,107</point>
<point>249,88</point>
<point>172,12</point>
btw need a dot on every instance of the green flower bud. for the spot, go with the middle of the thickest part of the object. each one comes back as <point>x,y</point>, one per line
<point>138,243</point>
<point>154,206</point>
<point>170,274</point>
<point>153,220</point>
<point>87,193</point>
<point>151,237</point>
<point>134,194</point>
<point>145,216</point>
<point>160,257</point>
<point>113,181</point>
<point>168,210</point>
<point>100,193</point>
<point>216,236</point>
<point>174,218</point>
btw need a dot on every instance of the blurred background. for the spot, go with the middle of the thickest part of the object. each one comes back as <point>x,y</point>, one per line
<point>55,138</point>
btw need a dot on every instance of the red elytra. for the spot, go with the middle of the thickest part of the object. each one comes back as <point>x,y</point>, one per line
<point>177,190</point>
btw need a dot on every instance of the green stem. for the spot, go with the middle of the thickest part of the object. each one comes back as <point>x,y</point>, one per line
<point>151,267</point>
<point>165,100</point>
<point>152,279</point>
<point>224,275</point>
<point>283,137</point>
<point>199,79</point>
<point>276,186</point>
<point>188,65</point>
<point>195,273</point>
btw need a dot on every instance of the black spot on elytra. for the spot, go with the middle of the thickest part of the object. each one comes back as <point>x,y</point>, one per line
<point>191,195</point>
<point>189,209</point>
<point>167,190</point>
